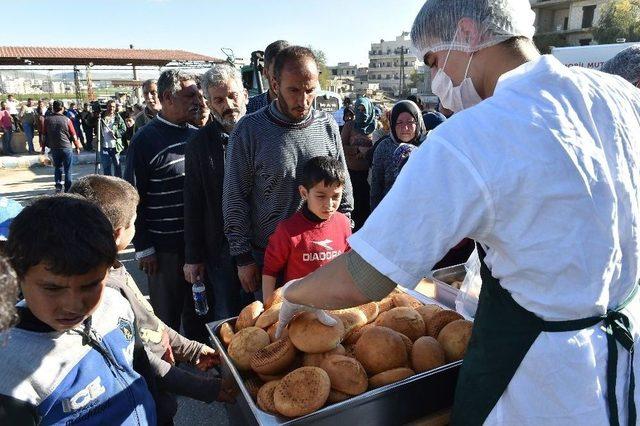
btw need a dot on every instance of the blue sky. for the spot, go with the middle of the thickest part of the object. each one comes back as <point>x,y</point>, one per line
<point>343,29</point>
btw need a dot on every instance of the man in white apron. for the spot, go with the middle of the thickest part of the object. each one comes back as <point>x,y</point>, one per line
<point>540,165</point>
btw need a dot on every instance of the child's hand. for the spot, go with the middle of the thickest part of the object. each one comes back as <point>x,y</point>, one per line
<point>207,359</point>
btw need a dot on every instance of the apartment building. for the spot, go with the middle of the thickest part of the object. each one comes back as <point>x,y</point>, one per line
<point>570,19</point>
<point>391,64</point>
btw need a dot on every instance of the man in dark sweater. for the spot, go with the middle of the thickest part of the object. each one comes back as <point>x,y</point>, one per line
<point>206,248</point>
<point>263,99</point>
<point>60,136</point>
<point>155,166</point>
<point>266,154</point>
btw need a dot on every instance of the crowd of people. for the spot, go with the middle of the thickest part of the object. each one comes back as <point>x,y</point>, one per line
<point>245,195</point>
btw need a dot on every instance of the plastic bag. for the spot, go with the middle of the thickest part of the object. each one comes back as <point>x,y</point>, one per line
<point>467,299</point>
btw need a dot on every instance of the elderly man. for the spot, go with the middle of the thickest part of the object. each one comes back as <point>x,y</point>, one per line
<point>626,64</point>
<point>267,152</point>
<point>152,104</point>
<point>206,249</point>
<point>155,166</point>
<point>264,99</point>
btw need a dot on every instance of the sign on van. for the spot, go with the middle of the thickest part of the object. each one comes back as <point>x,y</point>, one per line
<point>592,56</point>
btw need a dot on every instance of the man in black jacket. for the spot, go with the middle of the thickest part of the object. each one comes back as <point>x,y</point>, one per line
<point>206,249</point>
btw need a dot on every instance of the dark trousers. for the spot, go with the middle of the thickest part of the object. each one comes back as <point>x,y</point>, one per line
<point>361,201</point>
<point>224,291</point>
<point>172,299</point>
<point>61,158</point>
<point>88,144</point>
<point>109,157</point>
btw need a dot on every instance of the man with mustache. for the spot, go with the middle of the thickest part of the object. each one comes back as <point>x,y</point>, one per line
<point>206,249</point>
<point>152,104</point>
<point>267,151</point>
<point>155,166</point>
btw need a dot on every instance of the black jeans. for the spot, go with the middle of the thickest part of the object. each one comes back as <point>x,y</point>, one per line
<point>361,201</point>
<point>172,299</point>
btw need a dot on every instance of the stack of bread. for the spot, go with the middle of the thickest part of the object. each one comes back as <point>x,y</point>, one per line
<point>313,365</point>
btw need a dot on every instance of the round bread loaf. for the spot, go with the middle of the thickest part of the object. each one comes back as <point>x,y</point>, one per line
<point>390,376</point>
<point>346,374</point>
<point>248,315</point>
<point>274,358</point>
<point>271,331</point>
<point>265,397</point>
<point>406,300</point>
<point>337,396</point>
<point>302,391</point>
<point>454,339</point>
<point>427,312</point>
<point>314,360</point>
<point>245,344</point>
<point>370,310</point>
<point>351,319</point>
<point>269,317</point>
<point>253,385</point>
<point>352,338</point>
<point>385,304</point>
<point>408,344</point>
<point>380,349</point>
<point>439,320</point>
<point>226,333</point>
<point>403,320</point>
<point>311,336</point>
<point>426,354</point>
<point>276,297</point>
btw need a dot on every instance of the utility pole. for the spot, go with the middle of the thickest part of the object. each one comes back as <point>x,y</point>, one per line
<point>401,70</point>
<point>76,80</point>
<point>91,95</point>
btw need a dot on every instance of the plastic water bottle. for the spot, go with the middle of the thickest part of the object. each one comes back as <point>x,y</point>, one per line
<point>200,298</point>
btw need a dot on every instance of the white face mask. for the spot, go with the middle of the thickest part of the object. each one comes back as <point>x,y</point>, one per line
<point>455,98</point>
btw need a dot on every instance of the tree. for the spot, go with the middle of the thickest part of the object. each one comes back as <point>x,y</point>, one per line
<point>325,74</point>
<point>415,80</point>
<point>619,19</point>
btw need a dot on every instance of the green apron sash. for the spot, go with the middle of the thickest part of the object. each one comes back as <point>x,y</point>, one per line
<point>503,333</point>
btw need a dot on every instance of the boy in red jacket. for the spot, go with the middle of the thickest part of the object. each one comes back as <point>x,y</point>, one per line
<point>316,233</point>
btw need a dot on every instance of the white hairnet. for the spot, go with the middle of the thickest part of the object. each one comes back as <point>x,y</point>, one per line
<point>435,27</point>
<point>626,64</point>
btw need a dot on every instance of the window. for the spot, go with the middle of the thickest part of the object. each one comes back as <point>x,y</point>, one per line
<point>585,41</point>
<point>334,72</point>
<point>565,24</point>
<point>587,16</point>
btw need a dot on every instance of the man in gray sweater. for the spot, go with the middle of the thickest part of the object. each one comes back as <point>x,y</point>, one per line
<point>266,154</point>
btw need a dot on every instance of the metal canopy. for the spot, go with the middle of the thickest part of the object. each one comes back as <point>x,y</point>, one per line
<point>21,55</point>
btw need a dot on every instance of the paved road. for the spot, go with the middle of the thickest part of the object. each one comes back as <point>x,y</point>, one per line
<point>25,184</point>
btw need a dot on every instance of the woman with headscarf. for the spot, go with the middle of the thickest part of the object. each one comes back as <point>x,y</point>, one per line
<point>406,126</point>
<point>357,141</point>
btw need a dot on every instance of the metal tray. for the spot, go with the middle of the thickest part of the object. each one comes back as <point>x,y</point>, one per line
<point>394,404</point>
<point>443,278</point>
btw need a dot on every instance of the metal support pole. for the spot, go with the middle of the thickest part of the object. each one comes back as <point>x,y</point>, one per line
<point>98,165</point>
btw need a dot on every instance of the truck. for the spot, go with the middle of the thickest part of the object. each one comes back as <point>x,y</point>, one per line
<point>592,56</point>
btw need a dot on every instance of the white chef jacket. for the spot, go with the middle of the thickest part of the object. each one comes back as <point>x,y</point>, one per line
<point>546,173</point>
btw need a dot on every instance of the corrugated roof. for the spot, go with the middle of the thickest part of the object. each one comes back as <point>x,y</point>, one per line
<point>16,55</point>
